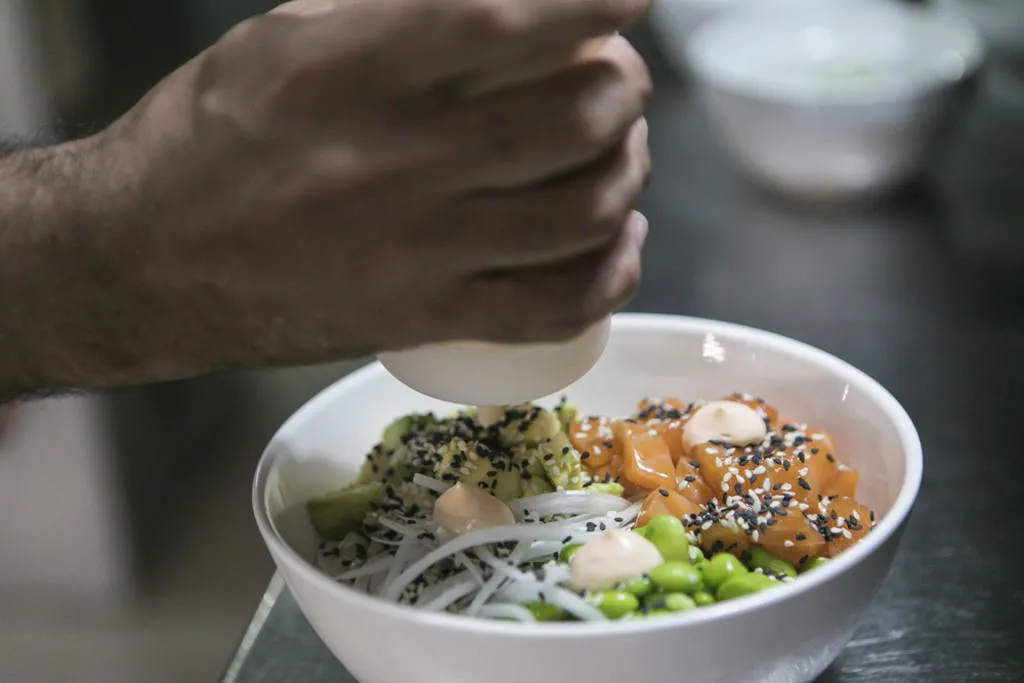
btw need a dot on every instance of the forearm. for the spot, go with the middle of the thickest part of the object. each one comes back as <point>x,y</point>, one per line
<point>47,287</point>
<point>75,308</point>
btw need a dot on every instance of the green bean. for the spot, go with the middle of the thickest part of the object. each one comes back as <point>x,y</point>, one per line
<point>668,535</point>
<point>769,563</point>
<point>745,584</point>
<point>721,568</point>
<point>697,556</point>
<point>816,563</point>
<point>570,550</point>
<point>543,611</point>
<point>703,598</point>
<point>640,587</point>
<point>680,577</point>
<point>615,604</point>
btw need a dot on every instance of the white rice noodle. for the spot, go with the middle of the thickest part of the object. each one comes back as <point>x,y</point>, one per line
<point>567,503</point>
<point>501,534</point>
<point>399,527</point>
<point>560,597</point>
<point>506,611</point>
<point>430,483</point>
<point>494,583</point>
<point>470,568</point>
<point>375,565</point>
<point>402,556</point>
<point>451,595</point>
<point>503,567</point>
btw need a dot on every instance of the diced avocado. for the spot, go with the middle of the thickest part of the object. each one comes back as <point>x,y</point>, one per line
<point>562,464</point>
<point>537,486</point>
<point>508,486</point>
<point>611,488</point>
<point>373,469</point>
<point>338,514</point>
<point>537,427</point>
<point>456,459</point>
<point>567,413</point>
<point>393,434</point>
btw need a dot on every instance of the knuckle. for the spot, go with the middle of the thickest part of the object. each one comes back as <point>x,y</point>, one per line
<point>590,124</point>
<point>489,20</point>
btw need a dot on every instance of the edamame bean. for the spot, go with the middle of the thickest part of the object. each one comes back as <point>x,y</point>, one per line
<point>703,598</point>
<point>745,584</point>
<point>640,587</point>
<point>615,604</point>
<point>816,563</point>
<point>721,568</point>
<point>543,611</point>
<point>570,550</point>
<point>679,602</point>
<point>668,535</point>
<point>671,602</point>
<point>697,556</point>
<point>770,563</point>
<point>680,577</point>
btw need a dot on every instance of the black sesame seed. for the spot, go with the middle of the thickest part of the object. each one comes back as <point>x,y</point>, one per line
<point>801,537</point>
<point>829,457</point>
<point>584,455</point>
<point>786,465</point>
<point>803,483</point>
<point>663,492</point>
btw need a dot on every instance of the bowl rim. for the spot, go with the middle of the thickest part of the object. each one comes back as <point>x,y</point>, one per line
<point>886,528</point>
<point>974,57</point>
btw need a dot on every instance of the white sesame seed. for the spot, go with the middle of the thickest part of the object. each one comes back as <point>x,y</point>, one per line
<point>803,471</point>
<point>788,543</point>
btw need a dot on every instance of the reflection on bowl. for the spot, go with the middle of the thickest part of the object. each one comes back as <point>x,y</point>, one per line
<point>837,99</point>
<point>732,642</point>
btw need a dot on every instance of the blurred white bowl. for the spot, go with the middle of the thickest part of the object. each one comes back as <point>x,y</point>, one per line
<point>672,23</point>
<point>835,98</point>
<point>741,641</point>
<point>1000,21</point>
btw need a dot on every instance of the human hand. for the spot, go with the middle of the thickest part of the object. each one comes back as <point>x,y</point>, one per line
<point>333,179</point>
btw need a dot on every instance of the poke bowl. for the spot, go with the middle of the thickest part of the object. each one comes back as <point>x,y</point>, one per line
<point>699,544</point>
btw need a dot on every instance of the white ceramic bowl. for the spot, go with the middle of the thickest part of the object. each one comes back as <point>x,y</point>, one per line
<point>1000,21</point>
<point>788,635</point>
<point>834,98</point>
<point>672,23</point>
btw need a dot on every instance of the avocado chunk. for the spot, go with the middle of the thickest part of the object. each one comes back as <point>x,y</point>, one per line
<point>567,413</point>
<point>338,514</point>
<point>395,432</point>
<point>610,487</point>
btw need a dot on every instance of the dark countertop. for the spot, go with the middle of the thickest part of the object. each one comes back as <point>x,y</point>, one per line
<point>925,293</point>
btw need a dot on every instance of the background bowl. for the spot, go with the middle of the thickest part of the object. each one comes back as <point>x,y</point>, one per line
<point>836,99</point>
<point>672,23</point>
<point>788,635</point>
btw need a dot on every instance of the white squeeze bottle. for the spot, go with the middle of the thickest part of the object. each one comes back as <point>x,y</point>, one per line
<point>491,376</point>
